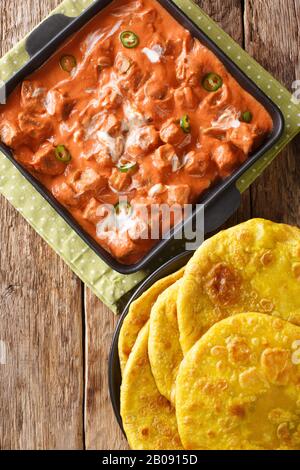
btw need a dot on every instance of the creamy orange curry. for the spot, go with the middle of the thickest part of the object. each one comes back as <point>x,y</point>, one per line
<point>131,106</point>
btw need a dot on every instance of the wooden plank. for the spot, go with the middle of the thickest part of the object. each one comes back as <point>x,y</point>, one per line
<point>272,37</point>
<point>228,14</point>
<point>41,386</point>
<point>101,429</point>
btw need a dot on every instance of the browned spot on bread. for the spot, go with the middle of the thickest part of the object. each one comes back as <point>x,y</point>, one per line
<point>246,236</point>
<point>237,410</point>
<point>296,270</point>
<point>145,432</point>
<point>238,350</point>
<point>250,379</point>
<point>213,388</point>
<point>276,365</point>
<point>267,258</point>
<point>223,284</point>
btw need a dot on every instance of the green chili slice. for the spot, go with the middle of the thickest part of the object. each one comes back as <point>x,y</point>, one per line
<point>68,63</point>
<point>122,205</point>
<point>62,154</point>
<point>212,82</point>
<point>185,124</point>
<point>127,167</point>
<point>247,116</point>
<point>129,39</point>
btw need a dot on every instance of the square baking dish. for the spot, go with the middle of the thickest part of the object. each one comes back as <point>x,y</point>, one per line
<point>219,203</point>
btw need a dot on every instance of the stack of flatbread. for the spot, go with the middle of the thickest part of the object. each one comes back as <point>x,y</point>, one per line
<point>210,356</point>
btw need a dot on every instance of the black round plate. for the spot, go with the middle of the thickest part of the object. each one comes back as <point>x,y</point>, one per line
<point>114,371</point>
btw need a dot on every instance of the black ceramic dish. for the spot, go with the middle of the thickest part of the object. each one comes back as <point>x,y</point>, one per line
<point>114,371</point>
<point>219,203</point>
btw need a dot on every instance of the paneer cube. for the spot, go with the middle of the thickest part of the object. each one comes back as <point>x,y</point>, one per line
<point>163,156</point>
<point>142,140</point>
<point>103,160</point>
<point>227,157</point>
<point>197,163</point>
<point>113,146</point>
<point>11,135</point>
<point>246,137</point>
<point>130,74</point>
<point>91,211</point>
<point>185,98</point>
<point>46,163</point>
<point>171,133</point>
<point>118,242</point>
<point>188,71</point>
<point>118,180</point>
<point>87,180</point>
<point>132,79</point>
<point>66,196</point>
<point>33,97</point>
<point>178,194</point>
<point>122,63</point>
<point>36,127</point>
<point>155,89</point>
<point>58,105</point>
<point>122,247</point>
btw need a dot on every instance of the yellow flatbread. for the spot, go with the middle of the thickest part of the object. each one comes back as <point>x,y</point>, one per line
<point>165,352</point>
<point>139,314</point>
<point>149,419</point>
<point>254,266</point>
<point>239,386</point>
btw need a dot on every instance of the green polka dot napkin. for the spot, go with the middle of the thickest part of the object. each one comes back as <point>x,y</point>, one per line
<point>111,287</point>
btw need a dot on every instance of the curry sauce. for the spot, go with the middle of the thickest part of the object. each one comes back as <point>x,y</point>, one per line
<point>131,106</point>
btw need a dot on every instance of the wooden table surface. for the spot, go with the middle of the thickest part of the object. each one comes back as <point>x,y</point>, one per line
<point>53,389</point>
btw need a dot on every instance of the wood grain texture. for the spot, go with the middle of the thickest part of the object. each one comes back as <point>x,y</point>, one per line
<point>101,428</point>
<point>54,390</point>
<point>41,387</point>
<point>274,42</point>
